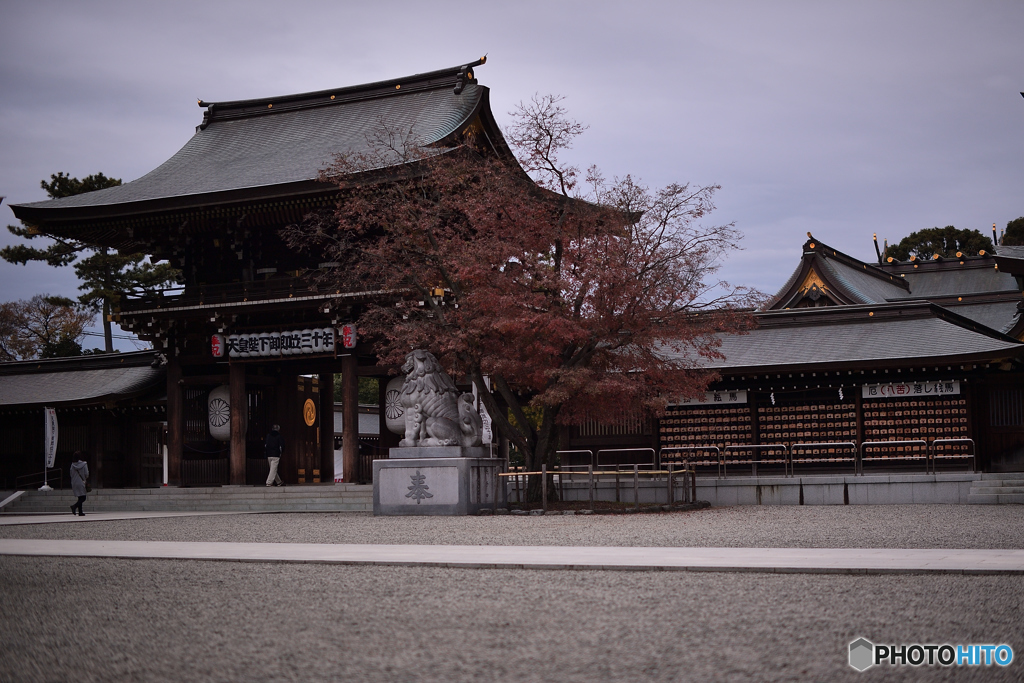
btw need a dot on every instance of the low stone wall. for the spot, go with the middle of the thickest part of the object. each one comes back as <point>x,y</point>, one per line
<point>872,489</point>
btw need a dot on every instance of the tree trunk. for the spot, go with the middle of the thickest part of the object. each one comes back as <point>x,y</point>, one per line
<point>538,447</point>
<point>108,337</point>
<point>544,454</point>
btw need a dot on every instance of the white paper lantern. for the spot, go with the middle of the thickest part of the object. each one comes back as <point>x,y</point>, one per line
<point>394,413</point>
<point>218,413</point>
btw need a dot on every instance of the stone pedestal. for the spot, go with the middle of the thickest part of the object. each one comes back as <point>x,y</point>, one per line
<point>436,485</point>
<point>439,452</point>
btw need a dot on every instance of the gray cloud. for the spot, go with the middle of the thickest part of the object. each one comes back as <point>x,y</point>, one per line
<point>841,118</point>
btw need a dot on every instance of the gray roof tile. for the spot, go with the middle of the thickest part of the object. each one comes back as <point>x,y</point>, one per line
<point>82,380</point>
<point>848,336</point>
<point>1011,251</point>
<point>999,316</point>
<point>930,283</point>
<point>861,284</point>
<point>906,340</point>
<point>247,145</point>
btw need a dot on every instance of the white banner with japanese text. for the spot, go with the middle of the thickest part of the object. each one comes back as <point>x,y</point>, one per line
<point>50,434</point>
<point>949,387</point>
<point>716,398</point>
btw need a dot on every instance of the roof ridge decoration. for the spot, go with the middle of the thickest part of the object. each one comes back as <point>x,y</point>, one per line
<point>825,285</point>
<point>830,252</point>
<point>456,77</point>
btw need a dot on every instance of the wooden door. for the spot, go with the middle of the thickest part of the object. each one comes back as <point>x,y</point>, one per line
<point>305,421</point>
<point>149,442</point>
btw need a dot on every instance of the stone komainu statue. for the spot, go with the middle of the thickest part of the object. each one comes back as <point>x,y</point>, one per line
<point>435,413</point>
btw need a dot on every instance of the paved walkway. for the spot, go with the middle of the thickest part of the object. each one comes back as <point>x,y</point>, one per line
<point>771,560</point>
<point>8,519</point>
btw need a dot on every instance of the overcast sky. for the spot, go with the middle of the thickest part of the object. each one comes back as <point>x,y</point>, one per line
<point>838,118</point>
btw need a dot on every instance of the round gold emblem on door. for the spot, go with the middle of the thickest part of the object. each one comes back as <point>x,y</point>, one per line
<point>309,412</point>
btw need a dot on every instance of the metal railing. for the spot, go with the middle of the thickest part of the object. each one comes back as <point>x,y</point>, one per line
<point>51,475</point>
<point>753,458</point>
<point>879,444</point>
<point>597,463</point>
<point>588,452</point>
<point>688,449</point>
<point>618,466</point>
<point>830,444</point>
<point>520,481</point>
<point>934,453</point>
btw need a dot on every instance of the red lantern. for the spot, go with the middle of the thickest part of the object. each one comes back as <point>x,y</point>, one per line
<point>348,336</point>
<point>217,345</point>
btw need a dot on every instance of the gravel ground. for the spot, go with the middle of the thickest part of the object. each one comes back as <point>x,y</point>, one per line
<point>146,620</point>
<point>855,526</point>
<point>155,620</point>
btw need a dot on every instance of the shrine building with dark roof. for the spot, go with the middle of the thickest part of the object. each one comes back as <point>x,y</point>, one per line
<point>847,352</point>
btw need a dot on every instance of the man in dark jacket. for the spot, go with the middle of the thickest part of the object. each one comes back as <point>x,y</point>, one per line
<point>275,448</point>
<point>79,473</point>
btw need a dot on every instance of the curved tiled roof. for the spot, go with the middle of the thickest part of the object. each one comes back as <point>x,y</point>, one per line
<point>999,315</point>
<point>927,283</point>
<point>80,380</point>
<point>790,283</point>
<point>265,146</point>
<point>849,280</point>
<point>863,286</point>
<point>857,342</point>
<point>857,336</point>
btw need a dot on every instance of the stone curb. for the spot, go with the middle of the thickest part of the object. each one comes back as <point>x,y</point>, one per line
<point>682,507</point>
<point>611,558</point>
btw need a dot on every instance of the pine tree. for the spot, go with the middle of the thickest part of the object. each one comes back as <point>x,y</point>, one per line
<point>104,272</point>
<point>1014,235</point>
<point>945,242</point>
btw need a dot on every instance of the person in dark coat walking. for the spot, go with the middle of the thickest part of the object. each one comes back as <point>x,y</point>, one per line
<point>79,473</point>
<point>275,448</point>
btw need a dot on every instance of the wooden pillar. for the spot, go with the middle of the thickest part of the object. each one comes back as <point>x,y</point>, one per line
<point>286,410</point>
<point>96,471</point>
<point>239,415</point>
<point>350,418</point>
<point>175,422</point>
<point>755,418</point>
<point>975,409</point>
<point>326,411</point>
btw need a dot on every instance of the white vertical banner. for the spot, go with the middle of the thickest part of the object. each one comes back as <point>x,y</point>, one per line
<point>486,429</point>
<point>486,434</point>
<point>50,416</point>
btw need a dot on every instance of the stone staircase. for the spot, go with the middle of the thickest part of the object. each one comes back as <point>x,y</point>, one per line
<point>308,498</point>
<point>997,488</point>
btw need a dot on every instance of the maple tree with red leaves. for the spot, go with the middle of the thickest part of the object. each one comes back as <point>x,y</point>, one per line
<point>593,304</point>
